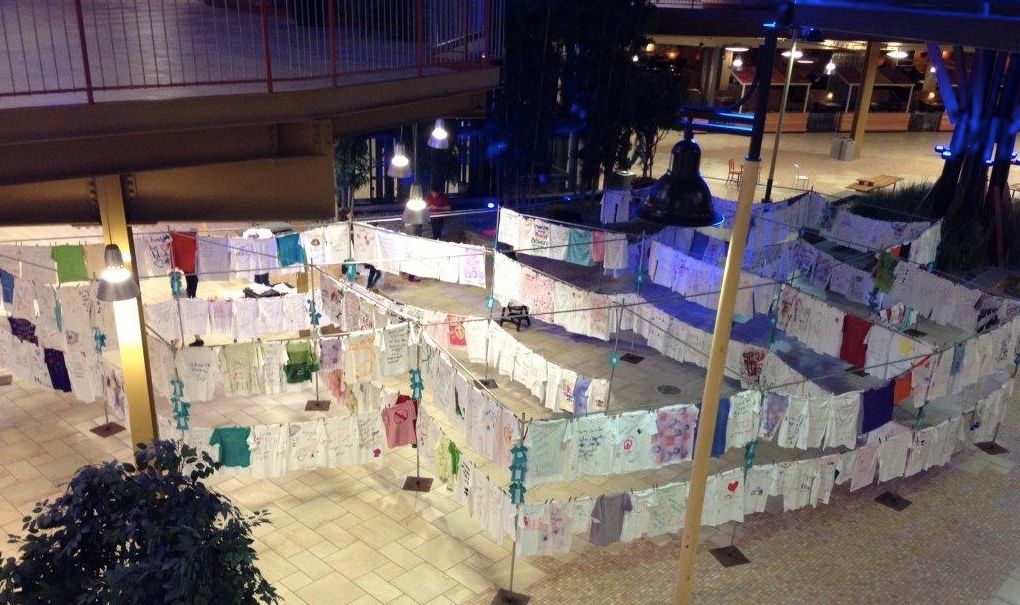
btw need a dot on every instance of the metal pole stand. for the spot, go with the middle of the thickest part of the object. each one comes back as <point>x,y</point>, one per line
<point>108,428</point>
<point>6,380</point>
<point>893,499</point>
<point>417,483</point>
<point>318,404</point>
<point>991,447</point>
<point>507,596</point>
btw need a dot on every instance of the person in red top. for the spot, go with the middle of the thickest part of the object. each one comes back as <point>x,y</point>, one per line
<point>437,202</point>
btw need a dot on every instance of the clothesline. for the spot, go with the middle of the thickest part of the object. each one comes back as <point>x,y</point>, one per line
<point>36,265</point>
<point>50,239</point>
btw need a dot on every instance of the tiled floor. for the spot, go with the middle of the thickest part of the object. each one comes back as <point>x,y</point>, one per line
<point>351,536</point>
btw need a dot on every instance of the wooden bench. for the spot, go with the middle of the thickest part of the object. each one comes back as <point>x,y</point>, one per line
<point>518,315</point>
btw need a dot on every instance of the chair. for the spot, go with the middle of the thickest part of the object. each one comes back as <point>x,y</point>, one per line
<point>800,181</point>
<point>735,173</point>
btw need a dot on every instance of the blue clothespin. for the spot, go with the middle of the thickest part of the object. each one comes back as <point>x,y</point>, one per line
<point>417,384</point>
<point>614,359</point>
<point>490,302</point>
<point>176,290</point>
<point>313,315</point>
<point>873,300</point>
<point>100,339</point>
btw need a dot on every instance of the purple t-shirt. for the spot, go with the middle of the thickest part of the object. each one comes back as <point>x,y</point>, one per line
<point>607,518</point>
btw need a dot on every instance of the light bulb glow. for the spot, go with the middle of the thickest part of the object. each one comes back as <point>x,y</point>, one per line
<point>738,63</point>
<point>115,275</point>
<point>830,67</point>
<point>736,48</point>
<point>932,69</point>
<point>634,58</point>
<point>897,54</point>
<point>795,54</point>
<point>400,161</point>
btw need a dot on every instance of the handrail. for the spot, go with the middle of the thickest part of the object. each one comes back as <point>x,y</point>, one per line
<point>103,51</point>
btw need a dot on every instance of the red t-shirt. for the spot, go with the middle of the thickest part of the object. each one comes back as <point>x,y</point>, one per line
<point>853,350</point>
<point>183,247</point>
<point>399,421</point>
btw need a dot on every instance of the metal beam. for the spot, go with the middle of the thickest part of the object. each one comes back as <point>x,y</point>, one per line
<point>935,22</point>
<point>130,321</point>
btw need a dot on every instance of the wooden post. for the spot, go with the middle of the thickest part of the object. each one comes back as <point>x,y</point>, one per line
<point>713,383</point>
<point>872,60</point>
<point>134,352</point>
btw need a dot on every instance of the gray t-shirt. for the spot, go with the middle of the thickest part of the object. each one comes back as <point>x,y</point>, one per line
<point>607,518</point>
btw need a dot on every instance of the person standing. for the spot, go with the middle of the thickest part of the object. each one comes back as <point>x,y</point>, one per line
<point>437,202</point>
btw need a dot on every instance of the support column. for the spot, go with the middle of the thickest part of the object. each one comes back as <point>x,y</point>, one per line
<point>134,353</point>
<point>691,534</point>
<point>872,59</point>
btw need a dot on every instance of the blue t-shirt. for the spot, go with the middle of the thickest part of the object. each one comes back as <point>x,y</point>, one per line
<point>289,249</point>
<point>7,283</point>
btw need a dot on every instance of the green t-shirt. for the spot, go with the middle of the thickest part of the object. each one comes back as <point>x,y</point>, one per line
<point>70,263</point>
<point>233,442</point>
<point>301,361</point>
<point>454,458</point>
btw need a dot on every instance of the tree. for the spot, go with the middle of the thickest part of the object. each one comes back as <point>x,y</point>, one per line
<point>138,534</point>
<point>352,168</point>
<point>656,97</point>
<point>985,111</point>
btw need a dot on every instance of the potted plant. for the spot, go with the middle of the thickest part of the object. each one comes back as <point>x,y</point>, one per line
<point>352,169</point>
<point>138,534</point>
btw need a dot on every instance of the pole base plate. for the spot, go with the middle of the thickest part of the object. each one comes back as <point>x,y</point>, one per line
<point>992,448</point>
<point>893,501</point>
<point>631,358</point>
<point>489,383</point>
<point>505,597</point>
<point>729,556</point>
<point>418,484</point>
<point>107,430</point>
<point>317,405</point>
<point>6,379</point>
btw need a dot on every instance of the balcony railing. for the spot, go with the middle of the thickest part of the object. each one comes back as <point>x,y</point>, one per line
<point>89,50</point>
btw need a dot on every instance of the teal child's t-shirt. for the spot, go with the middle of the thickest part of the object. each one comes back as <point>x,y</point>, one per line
<point>579,250</point>
<point>289,249</point>
<point>233,442</point>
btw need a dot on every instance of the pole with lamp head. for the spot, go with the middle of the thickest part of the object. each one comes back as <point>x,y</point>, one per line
<point>682,198</point>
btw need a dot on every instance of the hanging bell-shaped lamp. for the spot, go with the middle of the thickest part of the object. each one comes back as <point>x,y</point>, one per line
<point>400,165</point>
<point>681,197</point>
<point>440,137</point>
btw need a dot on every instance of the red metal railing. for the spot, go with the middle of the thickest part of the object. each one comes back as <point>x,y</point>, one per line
<point>95,50</point>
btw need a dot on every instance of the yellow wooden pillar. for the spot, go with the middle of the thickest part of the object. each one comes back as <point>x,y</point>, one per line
<point>872,59</point>
<point>134,354</point>
<point>713,384</point>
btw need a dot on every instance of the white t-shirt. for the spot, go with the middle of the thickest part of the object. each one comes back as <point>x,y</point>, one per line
<point>634,433</point>
<point>742,424</point>
<point>667,516</point>
<point>271,319</point>
<point>307,444</point>
<point>756,488</point>
<point>246,319</point>
<point>892,455</point>
<point>269,450</point>
<point>592,445</point>
<point>844,412</point>
<point>546,451</point>
<point>197,368</point>
<point>313,241</point>
<point>865,463</point>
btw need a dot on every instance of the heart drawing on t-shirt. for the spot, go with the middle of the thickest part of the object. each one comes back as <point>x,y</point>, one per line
<point>732,486</point>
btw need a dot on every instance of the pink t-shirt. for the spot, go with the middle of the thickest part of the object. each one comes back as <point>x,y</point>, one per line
<point>399,420</point>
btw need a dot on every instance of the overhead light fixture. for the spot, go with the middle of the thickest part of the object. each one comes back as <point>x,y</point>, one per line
<point>931,96</point>
<point>737,48</point>
<point>440,137</point>
<point>650,47</point>
<point>400,165</point>
<point>932,69</point>
<point>897,54</point>
<point>796,54</point>
<point>416,210</point>
<point>115,281</point>
<point>681,197</point>
<point>738,63</point>
<point>830,68</point>
<point>805,61</point>
<point>673,54</point>
<point>828,96</point>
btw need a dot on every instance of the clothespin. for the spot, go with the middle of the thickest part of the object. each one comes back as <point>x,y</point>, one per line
<point>175,284</point>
